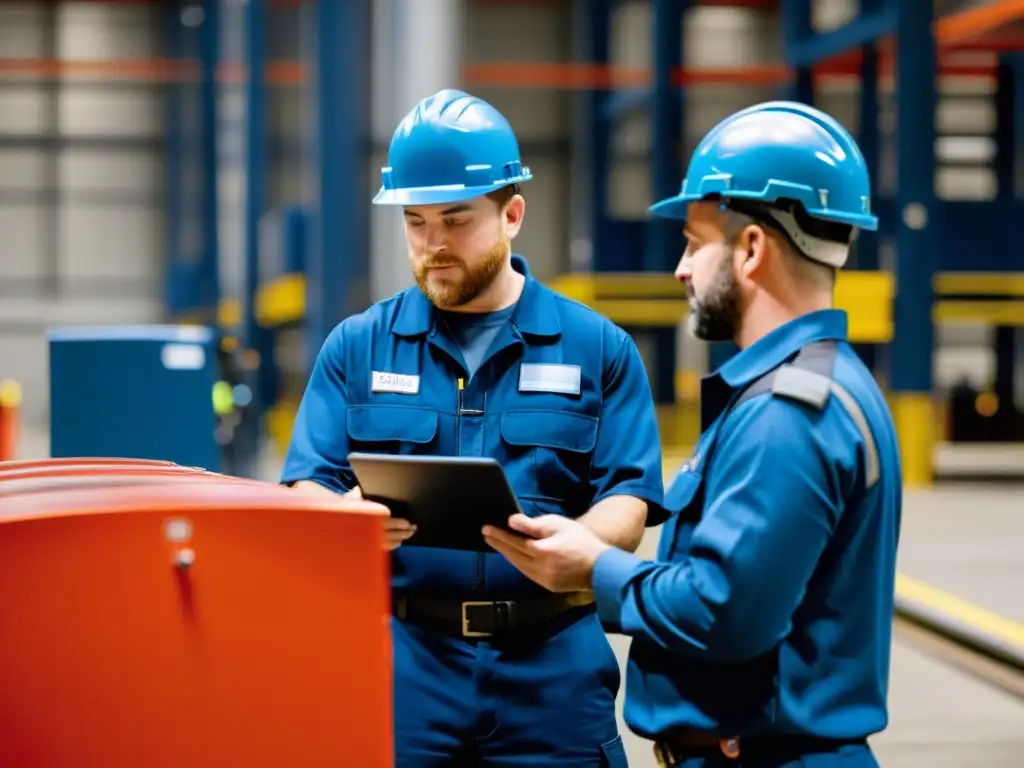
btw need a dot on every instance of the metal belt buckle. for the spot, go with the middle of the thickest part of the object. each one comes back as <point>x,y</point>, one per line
<point>465,618</point>
<point>730,747</point>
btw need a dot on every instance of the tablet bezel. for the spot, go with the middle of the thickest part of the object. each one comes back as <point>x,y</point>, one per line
<point>476,492</point>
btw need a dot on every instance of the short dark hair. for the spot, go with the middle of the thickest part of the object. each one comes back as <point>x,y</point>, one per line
<point>504,194</point>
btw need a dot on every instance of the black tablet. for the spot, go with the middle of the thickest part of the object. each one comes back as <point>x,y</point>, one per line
<point>448,498</point>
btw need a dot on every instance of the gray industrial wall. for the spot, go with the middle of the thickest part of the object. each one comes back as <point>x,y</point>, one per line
<point>81,183</point>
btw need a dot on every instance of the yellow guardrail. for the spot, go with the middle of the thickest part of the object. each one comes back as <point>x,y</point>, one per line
<point>657,300</point>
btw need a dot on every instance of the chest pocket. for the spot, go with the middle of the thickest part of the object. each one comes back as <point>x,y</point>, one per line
<point>391,429</point>
<point>549,454</point>
<point>684,501</point>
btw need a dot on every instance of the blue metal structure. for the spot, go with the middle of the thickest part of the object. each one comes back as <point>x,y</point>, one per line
<point>209,57</point>
<point>1009,135</point>
<point>916,209</point>
<point>329,273</point>
<point>192,281</point>
<point>664,239</point>
<point>597,15</point>
<point>256,157</point>
<point>257,341</point>
<point>176,299</point>
<point>664,242</point>
<point>796,27</point>
<point>866,251</point>
<point>337,267</point>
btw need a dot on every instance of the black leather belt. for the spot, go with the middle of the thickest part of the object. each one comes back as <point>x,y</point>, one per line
<point>483,618</point>
<point>674,748</point>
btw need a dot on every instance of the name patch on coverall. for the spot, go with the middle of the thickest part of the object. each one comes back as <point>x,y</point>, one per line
<point>400,384</point>
<point>549,377</point>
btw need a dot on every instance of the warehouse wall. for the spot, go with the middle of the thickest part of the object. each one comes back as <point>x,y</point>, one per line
<point>81,180</point>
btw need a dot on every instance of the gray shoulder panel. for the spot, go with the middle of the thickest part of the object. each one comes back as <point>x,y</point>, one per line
<point>806,380</point>
<point>814,389</point>
<point>802,385</point>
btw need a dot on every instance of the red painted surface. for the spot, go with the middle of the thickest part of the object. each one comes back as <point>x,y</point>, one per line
<point>271,649</point>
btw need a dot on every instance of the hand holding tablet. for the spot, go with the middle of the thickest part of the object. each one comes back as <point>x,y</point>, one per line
<point>448,498</point>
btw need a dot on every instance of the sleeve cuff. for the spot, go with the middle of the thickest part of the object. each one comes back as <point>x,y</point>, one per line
<point>612,571</point>
<point>330,483</point>
<point>652,495</point>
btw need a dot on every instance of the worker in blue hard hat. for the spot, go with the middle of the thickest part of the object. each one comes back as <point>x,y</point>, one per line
<point>762,633</point>
<point>479,359</point>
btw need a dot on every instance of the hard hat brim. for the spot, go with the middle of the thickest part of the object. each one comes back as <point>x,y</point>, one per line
<point>675,208</point>
<point>672,207</point>
<point>438,195</point>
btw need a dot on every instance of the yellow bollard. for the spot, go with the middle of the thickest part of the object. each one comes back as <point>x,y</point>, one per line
<point>10,419</point>
<point>914,415</point>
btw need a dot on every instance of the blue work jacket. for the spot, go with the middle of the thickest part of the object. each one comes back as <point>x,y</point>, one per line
<point>770,607</point>
<point>562,401</point>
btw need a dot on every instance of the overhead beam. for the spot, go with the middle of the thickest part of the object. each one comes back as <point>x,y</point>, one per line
<point>854,34</point>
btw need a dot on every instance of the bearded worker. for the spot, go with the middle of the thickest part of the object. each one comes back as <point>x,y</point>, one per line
<point>489,668</point>
<point>762,634</point>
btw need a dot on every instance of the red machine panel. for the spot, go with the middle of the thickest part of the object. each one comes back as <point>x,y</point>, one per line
<point>193,623</point>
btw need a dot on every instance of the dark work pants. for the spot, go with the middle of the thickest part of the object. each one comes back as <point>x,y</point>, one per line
<point>541,700</point>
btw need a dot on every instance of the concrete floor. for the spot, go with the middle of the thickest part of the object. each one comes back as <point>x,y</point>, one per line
<point>967,540</point>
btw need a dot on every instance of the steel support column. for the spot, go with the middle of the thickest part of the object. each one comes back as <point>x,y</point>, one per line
<point>603,256</point>
<point>174,299</point>
<point>1005,337</point>
<point>664,241</point>
<point>255,339</point>
<point>916,258</point>
<point>866,253</point>
<point>579,188</point>
<point>797,31</point>
<point>1016,60</point>
<point>337,268</point>
<point>209,264</point>
<point>255,160</point>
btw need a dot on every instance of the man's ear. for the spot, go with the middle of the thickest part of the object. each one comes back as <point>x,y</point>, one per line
<point>514,212</point>
<point>752,248</point>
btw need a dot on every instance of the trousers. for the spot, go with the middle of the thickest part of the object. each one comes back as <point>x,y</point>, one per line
<point>538,698</point>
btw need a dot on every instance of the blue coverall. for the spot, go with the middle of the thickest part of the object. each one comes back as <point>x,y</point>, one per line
<point>559,395</point>
<point>768,614</point>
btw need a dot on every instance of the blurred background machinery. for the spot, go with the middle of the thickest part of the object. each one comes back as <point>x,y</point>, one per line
<point>145,176</point>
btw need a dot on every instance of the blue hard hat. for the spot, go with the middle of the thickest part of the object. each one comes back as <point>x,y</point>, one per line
<point>450,147</point>
<point>775,152</point>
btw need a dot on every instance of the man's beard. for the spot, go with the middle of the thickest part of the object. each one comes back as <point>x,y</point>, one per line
<point>716,316</point>
<point>463,284</point>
